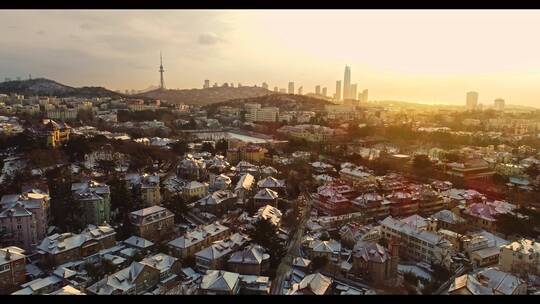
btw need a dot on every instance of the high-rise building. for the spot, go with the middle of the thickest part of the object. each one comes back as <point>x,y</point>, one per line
<point>353,91</point>
<point>300,89</point>
<point>206,84</point>
<point>347,84</point>
<point>498,104</point>
<point>291,87</point>
<point>472,101</point>
<point>265,85</point>
<point>276,89</point>
<point>337,96</point>
<point>324,92</point>
<point>364,96</point>
<point>318,90</point>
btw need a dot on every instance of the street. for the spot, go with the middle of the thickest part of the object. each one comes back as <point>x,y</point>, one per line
<point>293,248</point>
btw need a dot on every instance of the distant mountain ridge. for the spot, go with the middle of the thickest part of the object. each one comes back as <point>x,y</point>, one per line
<point>47,87</point>
<point>204,96</point>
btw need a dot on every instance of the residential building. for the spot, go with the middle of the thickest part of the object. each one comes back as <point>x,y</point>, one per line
<point>216,255</point>
<point>251,261</point>
<point>219,282</point>
<point>147,186</point>
<point>488,281</point>
<point>195,240</point>
<point>12,268</point>
<point>217,203</point>
<point>520,257</point>
<point>59,249</point>
<point>416,244</point>
<point>136,279</point>
<point>374,261</point>
<point>53,133</point>
<point>249,153</point>
<point>472,101</point>
<point>265,197</point>
<point>313,284</point>
<point>194,189</point>
<point>95,201</point>
<point>153,223</point>
<point>244,187</point>
<point>269,213</point>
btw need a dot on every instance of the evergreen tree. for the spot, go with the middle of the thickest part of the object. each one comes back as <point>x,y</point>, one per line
<point>265,234</point>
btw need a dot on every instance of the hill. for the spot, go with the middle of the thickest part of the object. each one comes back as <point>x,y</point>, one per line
<point>286,102</point>
<point>204,96</point>
<point>47,87</point>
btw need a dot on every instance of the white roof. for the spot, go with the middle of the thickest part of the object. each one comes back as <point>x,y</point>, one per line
<point>138,242</point>
<point>220,280</point>
<point>317,283</point>
<point>266,194</point>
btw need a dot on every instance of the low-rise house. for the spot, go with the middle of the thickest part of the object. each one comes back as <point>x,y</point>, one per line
<point>269,213</point>
<point>484,215</point>
<point>220,182</point>
<point>67,290</point>
<point>313,284</point>
<point>521,256</point>
<point>218,202</point>
<point>330,249</point>
<point>193,241</point>
<point>138,243</point>
<point>95,201</point>
<point>244,187</point>
<point>136,279</point>
<point>153,223</point>
<point>191,168</point>
<point>251,261</point>
<point>216,255</point>
<point>41,286</point>
<point>194,189</point>
<point>169,268</point>
<point>254,285</point>
<point>12,268</point>
<point>374,261</point>
<point>147,186</point>
<point>219,282</point>
<point>59,249</point>
<point>489,281</point>
<point>265,197</point>
<point>447,219</point>
<point>272,184</point>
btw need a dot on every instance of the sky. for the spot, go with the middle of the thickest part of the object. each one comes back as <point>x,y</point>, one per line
<point>430,56</point>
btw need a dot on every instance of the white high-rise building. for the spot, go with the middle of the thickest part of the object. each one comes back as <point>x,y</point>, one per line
<point>206,84</point>
<point>300,89</point>
<point>353,91</point>
<point>347,84</point>
<point>324,92</point>
<point>318,90</point>
<point>472,101</point>
<point>291,87</point>
<point>498,104</point>
<point>364,96</point>
<point>337,96</point>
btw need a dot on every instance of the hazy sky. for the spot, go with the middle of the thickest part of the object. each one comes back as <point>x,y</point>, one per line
<point>412,55</point>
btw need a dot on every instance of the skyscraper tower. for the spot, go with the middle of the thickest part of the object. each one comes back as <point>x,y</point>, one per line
<point>291,88</point>
<point>353,91</point>
<point>324,92</point>
<point>338,90</point>
<point>300,89</point>
<point>347,84</point>
<point>318,90</point>
<point>472,101</point>
<point>206,83</point>
<point>161,70</point>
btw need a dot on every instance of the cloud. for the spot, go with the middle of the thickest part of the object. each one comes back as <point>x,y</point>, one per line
<point>209,39</point>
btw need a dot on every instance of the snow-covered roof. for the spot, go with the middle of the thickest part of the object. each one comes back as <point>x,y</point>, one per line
<point>220,280</point>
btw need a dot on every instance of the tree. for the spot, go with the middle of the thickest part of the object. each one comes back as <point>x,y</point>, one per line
<point>177,205</point>
<point>207,147</point>
<point>180,147</point>
<point>108,266</point>
<point>265,234</point>
<point>532,170</point>
<point>222,145</point>
<point>94,272</point>
<point>319,262</point>
<point>325,236</point>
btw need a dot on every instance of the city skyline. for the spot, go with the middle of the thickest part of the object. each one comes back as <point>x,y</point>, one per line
<point>400,58</point>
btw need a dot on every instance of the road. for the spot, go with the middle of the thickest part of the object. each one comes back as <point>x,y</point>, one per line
<point>293,248</point>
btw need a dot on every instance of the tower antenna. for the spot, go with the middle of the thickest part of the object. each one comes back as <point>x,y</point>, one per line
<point>161,70</point>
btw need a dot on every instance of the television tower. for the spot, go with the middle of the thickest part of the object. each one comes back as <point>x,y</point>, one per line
<point>161,70</point>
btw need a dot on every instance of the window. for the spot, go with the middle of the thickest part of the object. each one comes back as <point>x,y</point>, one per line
<point>5,267</point>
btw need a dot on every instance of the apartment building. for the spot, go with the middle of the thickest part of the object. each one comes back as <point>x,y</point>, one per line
<point>153,223</point>
<point>95,201</point>
<point>195,240</point>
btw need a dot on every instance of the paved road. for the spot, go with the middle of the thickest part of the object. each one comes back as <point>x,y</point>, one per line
<point>293,248</point>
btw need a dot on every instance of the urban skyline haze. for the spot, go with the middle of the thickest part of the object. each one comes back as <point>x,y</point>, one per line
<point>412,55</point>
